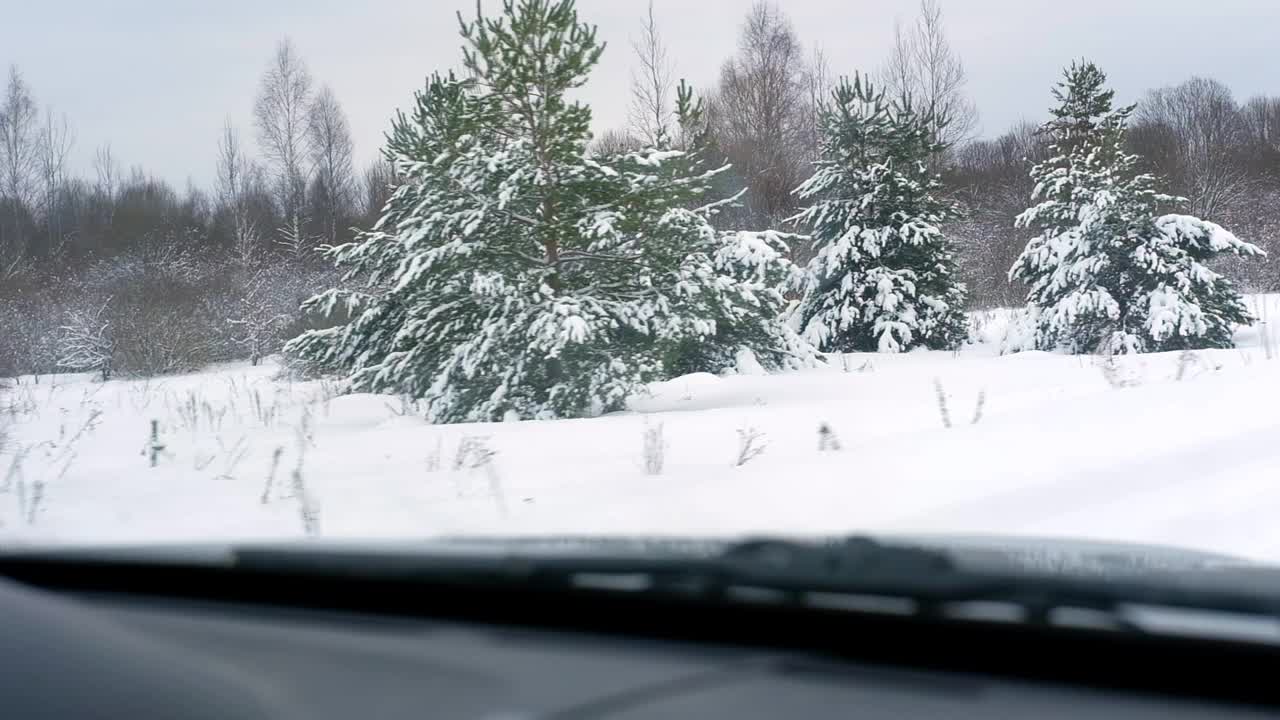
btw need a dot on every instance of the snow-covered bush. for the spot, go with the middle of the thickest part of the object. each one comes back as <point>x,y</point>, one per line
<point>87,342</point>
<point>882,277</point>
<point>260,306</point>
<point>32,312</point>
<point>1110,271</point>
<point>161,340</point>
<point>1019,333</point>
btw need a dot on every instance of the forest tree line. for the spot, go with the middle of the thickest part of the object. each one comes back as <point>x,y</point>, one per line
<point>167,279</point>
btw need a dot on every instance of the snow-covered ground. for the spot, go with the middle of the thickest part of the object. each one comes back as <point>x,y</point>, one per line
<point>1173,449</point>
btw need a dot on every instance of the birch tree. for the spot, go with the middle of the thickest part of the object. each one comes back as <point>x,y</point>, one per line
<point>281,115</point>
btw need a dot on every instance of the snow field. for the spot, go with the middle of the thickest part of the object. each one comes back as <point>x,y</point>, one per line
<point>1172,448</point>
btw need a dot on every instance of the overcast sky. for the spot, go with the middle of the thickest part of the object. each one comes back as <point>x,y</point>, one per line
<point>158,79</point>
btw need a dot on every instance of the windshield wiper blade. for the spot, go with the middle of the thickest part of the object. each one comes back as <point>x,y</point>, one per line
<point>853,563</point>
<point>852,573</point>
<point>857,560</point>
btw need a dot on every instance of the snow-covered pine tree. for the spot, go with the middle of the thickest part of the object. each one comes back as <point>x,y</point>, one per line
<point>882,277</point>
<point>758,261</point>
<point>511,271</point>
<point>1109,272</point>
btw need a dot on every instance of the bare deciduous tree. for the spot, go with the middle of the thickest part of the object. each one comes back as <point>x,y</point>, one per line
<point>1194,134</point>
<point>818,84</point>
<point>233,167</point>
<point>759,115</point>
<point>107,169</point>
<point>53,146</point>
<point>238,183</point>
<point>923,66</point>
<point>991,181</point>
<point>614,142</point>
<point>246,248</point>
<point>19,160</point>
<point>18,141</point>
<point>330,149</point>
<point>651,85</point>
<point>255,317</point>
<point>377,183</point>
<point>1262,115</point>
<point>280,115</point>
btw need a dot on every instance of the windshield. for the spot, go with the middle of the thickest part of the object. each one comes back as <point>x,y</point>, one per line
<point>387,270</point>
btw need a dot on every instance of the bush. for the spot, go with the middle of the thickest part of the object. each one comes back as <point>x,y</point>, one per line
<point>166,311</point>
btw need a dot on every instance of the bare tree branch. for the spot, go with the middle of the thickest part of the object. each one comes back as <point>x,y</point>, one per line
<point>53,146</point>
<point>280,115</point>
<point>107,169</point>
<point>1194,133</point>
<point>19,159</point>
<point>330,149</point>
<point>759,115</point>
<point>651,85</point>
<point>923,66</point>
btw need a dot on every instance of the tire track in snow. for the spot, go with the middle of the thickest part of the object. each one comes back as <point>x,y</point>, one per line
<point>1131,489</point>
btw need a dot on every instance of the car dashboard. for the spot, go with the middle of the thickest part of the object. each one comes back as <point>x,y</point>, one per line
<point>118,653</point>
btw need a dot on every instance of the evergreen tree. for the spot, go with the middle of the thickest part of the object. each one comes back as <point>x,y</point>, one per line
<point>882,277</point>
<point>1109,272</point>
<point>512,271</point>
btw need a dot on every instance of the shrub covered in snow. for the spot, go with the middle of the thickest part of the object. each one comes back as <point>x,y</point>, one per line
<point>87,342</point>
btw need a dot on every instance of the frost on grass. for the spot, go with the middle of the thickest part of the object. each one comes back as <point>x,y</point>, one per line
<point>474,453</point>
<point>655,448</point>
<point>32,466</point>
<point>751,444</point>
<point>943,400</point>
<point>827,440</point>
<point>979,407</point>
<point>271,475</point>
<point>944,409</point>
<point>1120,373</point>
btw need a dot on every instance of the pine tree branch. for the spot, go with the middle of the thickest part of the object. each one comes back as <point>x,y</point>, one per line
<point>582,256</point>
